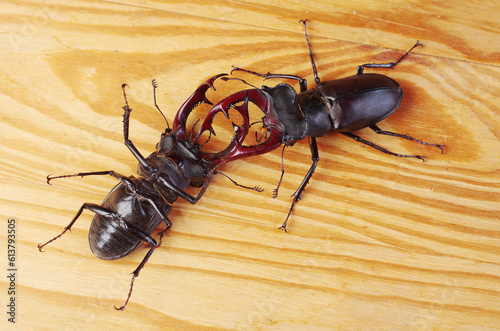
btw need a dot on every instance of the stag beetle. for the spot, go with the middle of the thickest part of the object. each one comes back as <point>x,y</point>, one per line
<point>135,207</point>
<point>343,105</point>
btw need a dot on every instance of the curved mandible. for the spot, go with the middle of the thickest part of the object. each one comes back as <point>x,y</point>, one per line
<point>256,96</point>
<point>236,150</point>
<point>179,125</point>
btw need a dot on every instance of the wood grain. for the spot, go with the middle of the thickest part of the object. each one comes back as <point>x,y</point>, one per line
<point>377,241</point>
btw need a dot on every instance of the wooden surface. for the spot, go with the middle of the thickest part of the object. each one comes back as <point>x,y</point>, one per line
<point>377,242</point>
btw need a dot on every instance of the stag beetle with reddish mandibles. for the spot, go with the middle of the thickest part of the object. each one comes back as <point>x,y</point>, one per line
<point>344,105</point>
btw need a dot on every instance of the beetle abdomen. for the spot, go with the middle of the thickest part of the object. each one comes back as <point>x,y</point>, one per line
<point>358,101</point>
<point>107,238</point>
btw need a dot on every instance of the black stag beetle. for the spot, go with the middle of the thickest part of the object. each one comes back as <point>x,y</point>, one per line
<point>344,105</point>
<point>135,207</point>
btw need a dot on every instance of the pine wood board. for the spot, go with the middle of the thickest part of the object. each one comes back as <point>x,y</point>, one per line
<point>376,241</point>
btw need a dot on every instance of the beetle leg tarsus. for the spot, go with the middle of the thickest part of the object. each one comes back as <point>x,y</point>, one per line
<point>238,79</point>
<point>136,272</point>
<point>265,76</point>
<point>255,188</point>
<point>375,128</point>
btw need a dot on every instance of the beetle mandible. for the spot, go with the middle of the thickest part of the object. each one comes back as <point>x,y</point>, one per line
<point>344,105</point>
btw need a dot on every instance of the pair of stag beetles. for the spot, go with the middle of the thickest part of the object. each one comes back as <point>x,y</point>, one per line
<point>135,207</point>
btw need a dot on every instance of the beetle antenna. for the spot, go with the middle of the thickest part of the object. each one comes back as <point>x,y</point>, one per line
<point>125,94</point>
<point>255,188</point>
<point>264,136</point>
<point>155,86</point>
<point>241,80</point>
<point>315,71</point>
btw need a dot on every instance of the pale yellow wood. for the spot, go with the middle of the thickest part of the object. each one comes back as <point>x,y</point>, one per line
<point>377,242</point>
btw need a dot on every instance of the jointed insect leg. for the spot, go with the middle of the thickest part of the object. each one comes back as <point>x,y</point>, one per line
<point>386,65</point>
<point>404,136</point>
<point>366,142</point>
<point>297,195</point>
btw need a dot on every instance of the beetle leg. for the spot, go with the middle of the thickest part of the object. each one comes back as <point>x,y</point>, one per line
<point>130,185</point>
<point>89,206</point>
<point>188,197</point>
<point>389,133</point>
<point>386,65</point>
<point>136,272</point>
<point>255,188</point>
<point>275,191</point>
<point>130,145</point>
<point>302,81</point>
<point>83,174</point>
<point>136,232</point>
<point>366,142</point>
<point>297,194</point>
<point>315,71</point>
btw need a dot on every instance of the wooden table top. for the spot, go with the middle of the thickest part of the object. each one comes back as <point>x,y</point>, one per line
<point>377,242</point>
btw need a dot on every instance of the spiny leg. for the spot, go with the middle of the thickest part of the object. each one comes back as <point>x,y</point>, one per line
<point>126,119</point>
<point>275,191</point>
<point>389,133</point>
<point>166,182</point>
<point>91,173</point>
<point>89,206</point>
<point>300,190</point>
<point>366,142</point>
<point>386,65</point>
<point>101,210</point>
<point>136,272</point>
